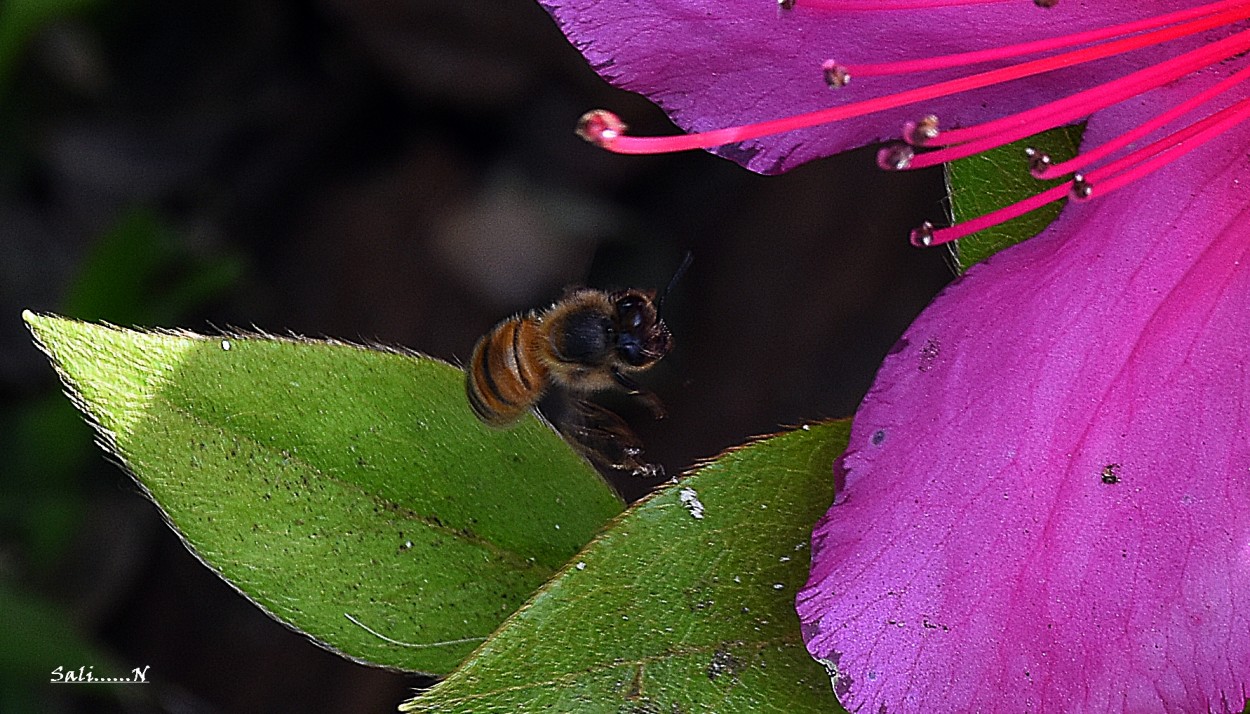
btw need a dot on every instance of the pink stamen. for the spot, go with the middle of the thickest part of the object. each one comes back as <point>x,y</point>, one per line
<point>1146,161</point>
<point>1065,52</point>
<point>1101,181</point>
<point>1085,103</point>
<point>623,144</point>
<point>927,236</point>
<point>965,59</point>
<point>881,5</point>
<point>1052,171</point>
<point>1018,126</point>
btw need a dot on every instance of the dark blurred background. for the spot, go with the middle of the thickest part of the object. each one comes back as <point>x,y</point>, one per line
<point>402,172</point>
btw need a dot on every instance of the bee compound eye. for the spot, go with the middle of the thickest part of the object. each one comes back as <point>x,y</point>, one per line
<point>630,313</point>
<point>627,305</point>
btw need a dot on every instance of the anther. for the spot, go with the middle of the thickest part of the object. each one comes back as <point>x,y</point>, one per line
<point>895,157</point>
<point>1045,3</point>
<point>922,237</point>
<point>600,127</point>
<point>1039,161</point>
<point>785,4</point>
<point>837,76</point>
<point>919,133</point>
<point>1081,189</point>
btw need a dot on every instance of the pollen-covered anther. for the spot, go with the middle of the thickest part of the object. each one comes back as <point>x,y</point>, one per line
<point>837,75</point>
<point>919,133</point>
<point>1039,161</point>
<point>1081,189</point>
<point>895,157</point>
<point>922,237</point>
<point>600,127</point>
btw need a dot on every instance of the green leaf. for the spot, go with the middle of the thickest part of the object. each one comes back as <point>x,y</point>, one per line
<point>45,445</point>
<point>679,606</point>
<point>349,491</point>
<point>138,271</point>
<point>993,179</point>
<point>38,636</point>
<point>20,19</point>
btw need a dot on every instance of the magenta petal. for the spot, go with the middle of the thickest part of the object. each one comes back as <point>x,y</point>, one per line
<point>1047,491</point>
<point>718,63</point>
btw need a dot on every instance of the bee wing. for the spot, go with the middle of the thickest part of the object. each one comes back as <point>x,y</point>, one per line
<point>605,439</point>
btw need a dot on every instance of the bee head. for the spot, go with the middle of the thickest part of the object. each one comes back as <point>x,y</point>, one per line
<point>641,337</point>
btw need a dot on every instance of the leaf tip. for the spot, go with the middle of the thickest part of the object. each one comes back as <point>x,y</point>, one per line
<point>39,325</point>
<point>37,322</point>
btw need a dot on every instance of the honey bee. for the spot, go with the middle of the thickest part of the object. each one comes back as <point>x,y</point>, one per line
<point>588,341</point>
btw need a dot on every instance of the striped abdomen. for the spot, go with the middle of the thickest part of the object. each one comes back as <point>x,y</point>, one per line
<point>505,377</point>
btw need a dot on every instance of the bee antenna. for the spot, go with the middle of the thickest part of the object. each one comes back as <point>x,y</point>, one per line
<point>681,270</point>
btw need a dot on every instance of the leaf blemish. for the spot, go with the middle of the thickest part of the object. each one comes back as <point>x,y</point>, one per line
<point>723,663</point>
<point>690,499</point>
<point>929,354</point>
<point>635,686</point>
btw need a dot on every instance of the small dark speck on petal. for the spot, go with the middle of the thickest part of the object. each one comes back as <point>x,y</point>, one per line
<point>1111,474</point>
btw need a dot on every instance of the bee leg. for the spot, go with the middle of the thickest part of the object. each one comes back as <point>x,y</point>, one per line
<point>606,440</point>
<point>628,460</point>
<point>636,390</point>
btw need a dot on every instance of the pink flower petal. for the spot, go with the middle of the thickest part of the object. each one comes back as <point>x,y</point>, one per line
<point>718,63</point>
<point>1047,492</point>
